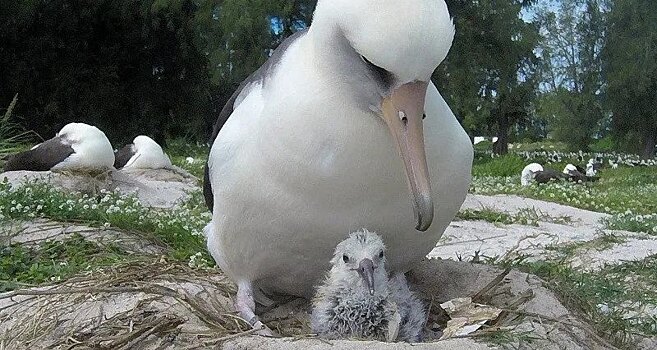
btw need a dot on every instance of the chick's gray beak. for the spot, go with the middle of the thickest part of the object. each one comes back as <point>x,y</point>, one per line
<point>366,271</point>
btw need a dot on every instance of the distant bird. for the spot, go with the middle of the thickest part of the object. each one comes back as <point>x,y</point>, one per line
<point>529,172</point>
<point>356,300</point>
<point>340,129</point>
<point>77,147</point>
<point>142,153</point>
<point>555,158</point>
<point>535,172</point>
<point>592,167</point>
<point>548,175</point>
<point>575,174</point>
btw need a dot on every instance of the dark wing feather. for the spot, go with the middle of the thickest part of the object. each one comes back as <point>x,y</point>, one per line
<point>259,75</point>
<point>122,156</point>
<point>548,175</point>
<point>42,158</point>
<point>577,177</point>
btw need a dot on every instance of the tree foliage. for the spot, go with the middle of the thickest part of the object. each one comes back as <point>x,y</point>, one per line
<point>127,66</point>
<point>166,67</point>
<point>631,71</point>
<point>489,75</point>
<point>571,71</point>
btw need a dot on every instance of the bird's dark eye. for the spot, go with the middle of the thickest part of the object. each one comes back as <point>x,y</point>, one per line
<point>345,258</point>
<point>424,116</point>
<point>381,255</point>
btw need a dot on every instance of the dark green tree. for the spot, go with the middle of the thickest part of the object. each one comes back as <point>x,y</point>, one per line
<point>129,67</point>
<point>630,57</point>
<point>571,68</point>
<point>488,76</point>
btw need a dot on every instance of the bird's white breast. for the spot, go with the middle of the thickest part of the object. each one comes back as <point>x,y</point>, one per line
<point>297,168</point>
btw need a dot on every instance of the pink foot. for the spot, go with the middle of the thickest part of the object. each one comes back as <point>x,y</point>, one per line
<point>245,306</point>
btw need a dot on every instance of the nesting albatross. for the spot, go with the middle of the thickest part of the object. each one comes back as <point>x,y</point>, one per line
<point>76,147</point>
<point>340,129</point>
<point>142,153</point>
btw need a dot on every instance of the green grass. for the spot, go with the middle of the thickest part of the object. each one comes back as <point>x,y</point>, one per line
<point>509,165</point>
<point>12,137</point>
<point>526,216</point>
<point>180,150</point>
<point>52,261</point>
<point>179,228</point>
<point>605,296</point>
<point>618,190</point>
<point>604,241</point>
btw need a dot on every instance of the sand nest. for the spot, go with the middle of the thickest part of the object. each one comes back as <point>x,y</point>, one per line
<point>157,304</point>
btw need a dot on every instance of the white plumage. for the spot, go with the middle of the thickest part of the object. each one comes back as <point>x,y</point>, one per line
<point>569,169</point>
<point>311,150</point>
<point>346,305</point>
<point>92,150</point>
<point>147,155</point>
<point>528,173</point>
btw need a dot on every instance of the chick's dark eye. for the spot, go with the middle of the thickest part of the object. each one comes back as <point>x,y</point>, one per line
<point>345,258</point>
<point>381,255</point>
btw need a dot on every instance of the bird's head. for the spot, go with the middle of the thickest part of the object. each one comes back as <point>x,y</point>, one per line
<point>145,143</point>
<point>359,261</point>
<point>570,169</point>
<point>529,172</point>
<point>395,46</point>
<point>79,132</point>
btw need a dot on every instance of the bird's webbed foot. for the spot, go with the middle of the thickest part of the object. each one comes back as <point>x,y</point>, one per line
<point>245,306</point>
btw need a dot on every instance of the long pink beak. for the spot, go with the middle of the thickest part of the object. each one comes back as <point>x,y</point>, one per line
<point>403,111</point>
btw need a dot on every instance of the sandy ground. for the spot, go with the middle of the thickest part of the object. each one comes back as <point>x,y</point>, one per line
<point>165,306</point>
<point>466,239</point>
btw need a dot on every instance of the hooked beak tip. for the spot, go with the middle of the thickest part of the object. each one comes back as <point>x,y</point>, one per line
<point>423,213</point>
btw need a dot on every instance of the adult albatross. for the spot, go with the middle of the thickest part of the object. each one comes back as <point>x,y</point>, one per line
<point>76,147</point>
<point>142,153</point>
<point>340,129</point>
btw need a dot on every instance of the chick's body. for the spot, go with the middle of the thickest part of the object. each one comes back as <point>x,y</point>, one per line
<point>347,306</point>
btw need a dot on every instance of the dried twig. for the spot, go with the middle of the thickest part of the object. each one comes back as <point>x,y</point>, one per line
<point>491,285</point>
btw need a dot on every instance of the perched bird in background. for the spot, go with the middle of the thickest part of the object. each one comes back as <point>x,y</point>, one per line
<point>547,175</point>
<point>77,147</point>
<point>357,300</point>
<point>340,129</point>
<point>592,167</point>
<point>555,158</point>
<point>574,174</point>
<point>529,172</point>
<point>535,172</point>
<point>142,153</point>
